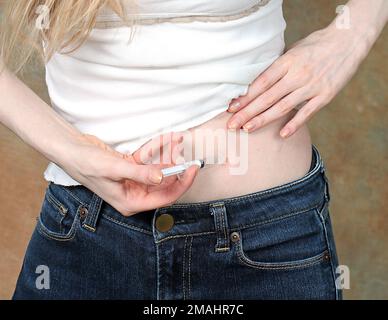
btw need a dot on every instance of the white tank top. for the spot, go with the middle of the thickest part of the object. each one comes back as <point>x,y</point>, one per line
<point>194,9</point>
<point>187,60</point>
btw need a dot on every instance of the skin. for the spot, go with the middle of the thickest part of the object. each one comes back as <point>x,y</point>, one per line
<point>269,161</point>
<point>314,70</point>
<point>121,180</point>
<point>309,75</point>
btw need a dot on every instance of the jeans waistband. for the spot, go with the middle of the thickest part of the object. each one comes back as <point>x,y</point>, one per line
<point>219,216</point>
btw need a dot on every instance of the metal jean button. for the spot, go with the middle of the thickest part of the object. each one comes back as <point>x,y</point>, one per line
<point>164,222</point>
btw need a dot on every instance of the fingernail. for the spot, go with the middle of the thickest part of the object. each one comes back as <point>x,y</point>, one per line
<point>234,106</point>
<point>156,177</point>
<point>179,160</point>
<point>285,133</point>
<point>178,138</point>
<point>249,126</point>
<point>234,125</point>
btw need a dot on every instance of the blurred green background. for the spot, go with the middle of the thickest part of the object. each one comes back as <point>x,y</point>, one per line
<point>351,133</point>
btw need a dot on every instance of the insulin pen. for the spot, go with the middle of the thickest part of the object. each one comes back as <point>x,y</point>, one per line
<point>182,167</point>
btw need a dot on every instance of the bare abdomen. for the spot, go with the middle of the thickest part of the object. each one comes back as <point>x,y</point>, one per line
<point>262,161</point>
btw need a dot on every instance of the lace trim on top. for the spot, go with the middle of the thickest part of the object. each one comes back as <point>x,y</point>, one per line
<point>114,21</point>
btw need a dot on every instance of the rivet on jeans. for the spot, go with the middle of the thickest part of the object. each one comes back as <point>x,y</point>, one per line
<point>235,236</point>
<point>63,209</point>
<point>326,256</point>
<point>83,212</point>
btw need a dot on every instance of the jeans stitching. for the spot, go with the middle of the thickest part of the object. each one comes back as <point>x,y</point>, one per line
<point>220,225</point>
<point>51,198</point>
<point>318,260</point>
<point>126,225</point>
<point>71,194</point>
<point>46,235</point>
<point>225,240</point>
<point>217,228</point>
<point>323,222</point>
<point>185,235</point>
<point>95,205</point>
<point>239,227</point>
<point>275,219</point>
<point>183,269</point>
<point>157,272</point>
<point>324,209</point>
<point>51,235</point>
<point>277,266</point>
<point>223,228</point>
<point>189,271</point>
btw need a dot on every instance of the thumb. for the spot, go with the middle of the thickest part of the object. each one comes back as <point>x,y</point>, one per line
<point>147,174</point>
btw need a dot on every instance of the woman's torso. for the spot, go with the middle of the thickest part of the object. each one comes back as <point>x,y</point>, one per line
<point>177,76</point>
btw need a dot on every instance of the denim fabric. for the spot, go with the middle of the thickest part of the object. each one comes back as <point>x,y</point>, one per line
<point>272,244</point>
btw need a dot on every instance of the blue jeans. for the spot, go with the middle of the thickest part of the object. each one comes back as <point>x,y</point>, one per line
<point>272,244</point>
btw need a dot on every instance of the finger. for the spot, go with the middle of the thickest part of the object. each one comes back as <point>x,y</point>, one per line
<point>167,181</point>
<point>147,174</point>
<point>262,103</point>
<point>302,116</point>
<point>187,178</point>
<point>180,176</point>
<point>150,149</point>
<point>172,152</point>
<point>280,109</point>
<point>172,192</point>
<point>154,148</point>
<point>263,82</point>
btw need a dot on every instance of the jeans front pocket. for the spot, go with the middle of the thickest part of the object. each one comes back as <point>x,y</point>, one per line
<point>297,241</point>
<point>288,265</point>
<point>287,258</point>
<point>59,215</point>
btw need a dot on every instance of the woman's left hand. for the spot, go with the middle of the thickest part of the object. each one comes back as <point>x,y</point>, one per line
<point>308,76</point>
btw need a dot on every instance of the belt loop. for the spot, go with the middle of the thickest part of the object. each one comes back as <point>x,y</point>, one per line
<point>93,212</point>
<point>322,164</point>
<point>327,191</point>
<point>323,172</point>
<point>218,211</point>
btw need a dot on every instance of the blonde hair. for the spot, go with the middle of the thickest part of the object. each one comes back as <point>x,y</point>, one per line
<point>70,23</point>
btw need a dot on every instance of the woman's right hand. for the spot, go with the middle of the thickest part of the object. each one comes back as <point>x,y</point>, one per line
<point>123,180</point>
<point>126,184</point>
